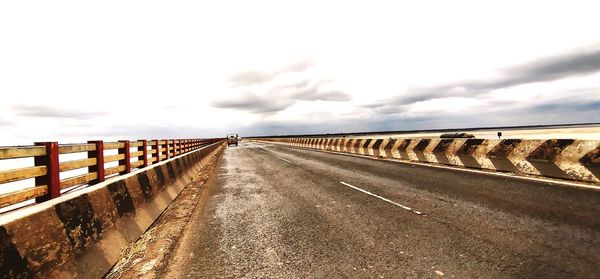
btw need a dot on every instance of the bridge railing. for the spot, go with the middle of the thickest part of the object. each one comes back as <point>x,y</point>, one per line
<point>568,159</point>
<point>50,160</point>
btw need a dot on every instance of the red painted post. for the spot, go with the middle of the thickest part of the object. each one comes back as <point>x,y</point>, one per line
<point>167,149</point>
<point>99,155</point>
<point>157,154</point>
<point>174,148</point>
<point>127,157</point>
<point>52,177</point>
<point>144,149</point>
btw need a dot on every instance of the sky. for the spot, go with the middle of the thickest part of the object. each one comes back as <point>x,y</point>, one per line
<point>73,71</point>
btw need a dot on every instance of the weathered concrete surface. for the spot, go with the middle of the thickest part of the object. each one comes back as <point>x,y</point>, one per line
<point>81,234</point>
<point>147,257</point>
<point>270,218</point>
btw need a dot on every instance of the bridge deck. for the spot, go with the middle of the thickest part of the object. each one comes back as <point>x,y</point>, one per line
<point>282,212</point>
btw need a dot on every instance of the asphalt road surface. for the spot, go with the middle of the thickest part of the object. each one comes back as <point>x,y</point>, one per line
<point>282,212</point>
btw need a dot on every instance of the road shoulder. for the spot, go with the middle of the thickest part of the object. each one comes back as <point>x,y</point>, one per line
<point>150,255</point>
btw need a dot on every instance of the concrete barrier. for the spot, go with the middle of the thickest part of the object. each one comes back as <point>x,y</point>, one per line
<point>557,158</point>
<point>81,234</point>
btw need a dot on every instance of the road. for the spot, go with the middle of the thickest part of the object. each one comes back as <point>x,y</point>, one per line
<point>282,212</point>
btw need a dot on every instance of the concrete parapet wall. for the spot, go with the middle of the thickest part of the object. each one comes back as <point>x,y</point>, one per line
<point>557,158</point>
<point>81,234</point>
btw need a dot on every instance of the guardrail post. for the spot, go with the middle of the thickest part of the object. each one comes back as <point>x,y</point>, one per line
<point>127,157</point>
<point>144,149</point>
<point>174,148</point>
<point>166,149</point>
<point>99,155</point>
<point>52,177</point>
<point>157,154</point>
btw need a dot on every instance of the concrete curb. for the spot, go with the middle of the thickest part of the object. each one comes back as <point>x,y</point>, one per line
<point>81,234</point>
<point>571,159</point>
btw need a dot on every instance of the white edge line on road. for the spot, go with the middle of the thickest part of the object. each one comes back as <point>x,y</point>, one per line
<point>383,199</point>
<point>284,160</point>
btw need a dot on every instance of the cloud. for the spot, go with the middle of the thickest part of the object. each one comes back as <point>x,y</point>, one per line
<point>546,69</point>
<point>299,66</point>
<point>311,92</point>
<point>565,107</point>
<point>55,112</point>
<point>278,101</point>
<point>254,103</point>
<point>266,93</point>
<point>248,78</point>
<point>5,122</point>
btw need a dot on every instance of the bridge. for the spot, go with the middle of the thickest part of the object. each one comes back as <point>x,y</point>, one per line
<point>312,206</point>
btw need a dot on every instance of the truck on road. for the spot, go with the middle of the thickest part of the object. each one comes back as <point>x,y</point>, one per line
<point>232,139</point>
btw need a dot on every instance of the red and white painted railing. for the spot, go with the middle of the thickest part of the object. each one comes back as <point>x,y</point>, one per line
<point>45,173</point>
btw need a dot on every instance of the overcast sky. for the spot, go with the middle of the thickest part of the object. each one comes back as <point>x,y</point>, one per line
<point>77,70</point>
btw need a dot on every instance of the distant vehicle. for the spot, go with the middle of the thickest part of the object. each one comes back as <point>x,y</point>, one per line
<point>457,135</point>
<point>232,139</point>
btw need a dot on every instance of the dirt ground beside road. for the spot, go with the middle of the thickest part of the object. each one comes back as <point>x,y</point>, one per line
<point>148,257</point>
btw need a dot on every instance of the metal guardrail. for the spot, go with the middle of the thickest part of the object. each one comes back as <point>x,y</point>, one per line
<point>47,168</point>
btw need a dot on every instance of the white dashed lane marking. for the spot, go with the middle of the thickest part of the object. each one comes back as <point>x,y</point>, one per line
<point>383,199</point>
<point>284,160</point>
